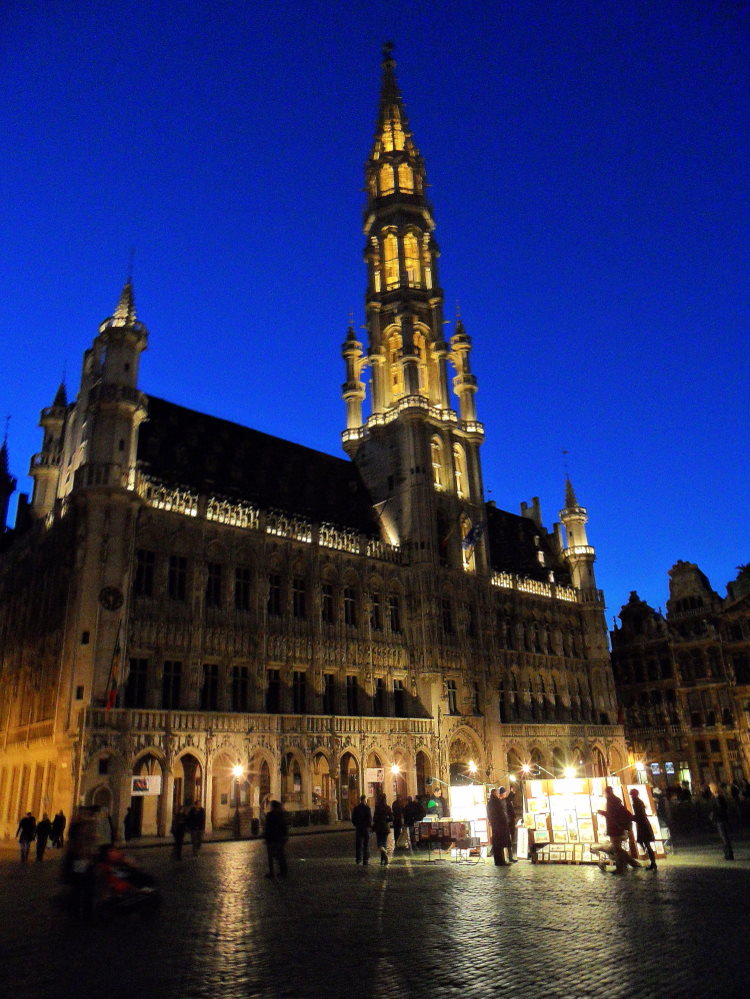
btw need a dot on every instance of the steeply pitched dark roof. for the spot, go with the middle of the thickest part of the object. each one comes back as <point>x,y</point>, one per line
<point>182,447</point>
<point>513,549</point>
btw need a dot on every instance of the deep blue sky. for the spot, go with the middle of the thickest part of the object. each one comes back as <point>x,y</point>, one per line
<point>589,171</point>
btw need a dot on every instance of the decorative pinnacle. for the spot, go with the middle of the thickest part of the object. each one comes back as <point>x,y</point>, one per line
<point>124,314</point>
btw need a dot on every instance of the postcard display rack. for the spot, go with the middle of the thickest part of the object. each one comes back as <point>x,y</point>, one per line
<point>564,814</point>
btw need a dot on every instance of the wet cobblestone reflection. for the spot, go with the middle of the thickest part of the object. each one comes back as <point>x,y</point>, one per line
<point>419,929</point>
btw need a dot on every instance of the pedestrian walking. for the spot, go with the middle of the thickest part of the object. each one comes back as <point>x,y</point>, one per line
<point>58,830</point>
<point>196,823</point>
<point>497,816</point>
<point>398,818</point>
<point>362,822</point>
<point>79,869</point>
<point>644,834</point>
<point>618,820</point>
<point>25,835</point>
<point>43,832</point>
<point>718,814</point>
<point>382,820</point>
<point>276,835</point>
<point>179,826</point>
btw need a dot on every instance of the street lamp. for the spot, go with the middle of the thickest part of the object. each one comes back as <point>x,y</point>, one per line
<point>237,772</point>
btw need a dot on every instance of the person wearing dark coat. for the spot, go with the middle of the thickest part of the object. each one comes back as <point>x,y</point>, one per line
<point>58,829</point>
<point>644,834</point>
<point>511,812</point>
<point>128,825</point>
<point>276,834</point>
<point>362,822</point>
<point>411,815</point>
<point>497,816</point>
<point>25,835</point>
<point>196,823</point>
<point>619,820</point>
<point>382,820</point>
<point>43,831</point>
<point>719,815</point>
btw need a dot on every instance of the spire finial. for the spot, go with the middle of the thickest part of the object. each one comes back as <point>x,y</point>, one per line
<point>388,48</point>
<point>131,258</point>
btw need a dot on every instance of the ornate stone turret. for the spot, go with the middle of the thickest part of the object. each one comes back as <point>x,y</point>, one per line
<point>579,554</point>
<point>45,465</point>
<point>417,454</point>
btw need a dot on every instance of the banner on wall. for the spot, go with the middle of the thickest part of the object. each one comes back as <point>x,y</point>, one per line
<point>374,775</point>
<point>145,785</point>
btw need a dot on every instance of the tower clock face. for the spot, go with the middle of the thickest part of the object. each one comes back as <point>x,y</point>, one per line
<point>111,598</point>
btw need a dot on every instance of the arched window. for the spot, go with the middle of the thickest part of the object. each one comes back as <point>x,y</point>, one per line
<point>427,262</point>
<point>405,178</point>
<point>395,352</point>
<point>411,260</point>
<point>390,255</point>
<point>436,454</point>
<point>387,182</point>
<point>420,349</point>
<point>459,470</point>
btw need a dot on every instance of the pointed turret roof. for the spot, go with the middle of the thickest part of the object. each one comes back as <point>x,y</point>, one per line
<point>392,130</point>
<point>124,314</point>
<point>570,494</point>
<point>61,396</point>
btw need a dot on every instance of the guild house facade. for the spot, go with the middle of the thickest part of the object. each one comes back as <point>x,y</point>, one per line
<point>228,616</point>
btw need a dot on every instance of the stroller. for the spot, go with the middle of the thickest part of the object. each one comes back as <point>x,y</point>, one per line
<point>124,887</point>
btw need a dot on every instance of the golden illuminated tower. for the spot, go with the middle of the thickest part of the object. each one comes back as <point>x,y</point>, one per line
<point>418,455</point>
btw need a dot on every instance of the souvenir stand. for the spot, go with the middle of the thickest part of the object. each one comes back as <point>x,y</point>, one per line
<point>469,806</point>
<point>440,836</point>
<point>563,814</point>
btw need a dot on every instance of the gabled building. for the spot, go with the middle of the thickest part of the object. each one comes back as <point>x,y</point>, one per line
<point>683,679</point>
<point>188,595</point>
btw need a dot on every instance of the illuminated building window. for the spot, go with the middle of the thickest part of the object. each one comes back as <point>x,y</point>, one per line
<point>387,181</point>
<point>459,469</point>
<point>405,178</point>
<point>395,353</point>
<point>390,258</point>
<point>436,454</point>
<point>411,260</point>
<point>420,349</point>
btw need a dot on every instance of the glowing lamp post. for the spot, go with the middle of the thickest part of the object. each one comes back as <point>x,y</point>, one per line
<point>237,772</point>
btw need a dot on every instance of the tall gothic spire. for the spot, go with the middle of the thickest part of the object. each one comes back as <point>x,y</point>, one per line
<point>124,314</point>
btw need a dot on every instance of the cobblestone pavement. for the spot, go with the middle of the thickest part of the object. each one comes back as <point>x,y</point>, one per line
<point>413,929</point>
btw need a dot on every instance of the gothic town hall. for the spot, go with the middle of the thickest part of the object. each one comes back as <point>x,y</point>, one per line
<point>183,595</point>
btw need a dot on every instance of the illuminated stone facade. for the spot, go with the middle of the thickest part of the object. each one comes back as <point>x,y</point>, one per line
<point>683,679</point>
<point>311,618</point>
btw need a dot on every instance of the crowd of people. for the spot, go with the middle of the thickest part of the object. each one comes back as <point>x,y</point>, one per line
<point>42,832</point>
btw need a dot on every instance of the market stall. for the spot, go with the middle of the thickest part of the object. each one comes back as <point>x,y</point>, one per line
<point>563,814</point>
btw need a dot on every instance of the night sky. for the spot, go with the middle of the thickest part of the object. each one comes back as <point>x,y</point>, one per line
<point>589,172</point>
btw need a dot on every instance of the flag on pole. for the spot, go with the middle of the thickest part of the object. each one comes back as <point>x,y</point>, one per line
<point>473,535</point>
<point>114,672</point>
